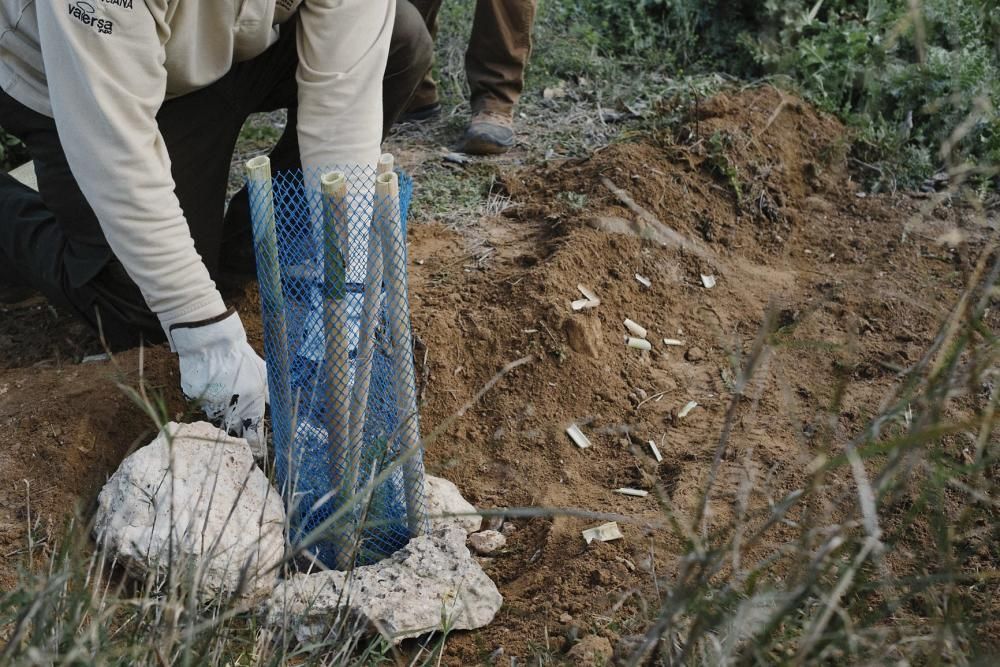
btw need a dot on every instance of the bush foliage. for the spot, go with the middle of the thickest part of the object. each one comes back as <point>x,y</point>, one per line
<point>12,151</point>
<point>919,81</point>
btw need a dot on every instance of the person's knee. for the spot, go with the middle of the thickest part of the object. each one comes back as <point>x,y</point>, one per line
<point>412,48</point>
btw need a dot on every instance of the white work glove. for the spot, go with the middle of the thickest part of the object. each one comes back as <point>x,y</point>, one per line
<point>222,374</point>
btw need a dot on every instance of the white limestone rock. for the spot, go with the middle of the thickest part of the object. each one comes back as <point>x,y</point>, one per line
<point>487,543</point>
<point>447,507</point>
<point>194,497</point>
<point>431,583</point>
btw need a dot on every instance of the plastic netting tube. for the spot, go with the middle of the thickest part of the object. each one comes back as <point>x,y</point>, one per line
<point>388,219</point>
<point>265,237</point>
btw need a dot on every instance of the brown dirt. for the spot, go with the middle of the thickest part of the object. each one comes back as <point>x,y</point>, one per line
<point>859,286</point>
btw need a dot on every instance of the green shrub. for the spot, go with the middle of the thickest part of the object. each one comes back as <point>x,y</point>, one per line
<point>12,151</point>
<point>905,79</point>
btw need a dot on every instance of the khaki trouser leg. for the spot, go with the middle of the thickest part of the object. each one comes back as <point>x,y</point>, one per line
<point>498,53</point>
<point>426,93</point>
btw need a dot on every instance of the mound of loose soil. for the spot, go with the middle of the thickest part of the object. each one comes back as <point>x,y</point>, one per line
<point>757,186</point>
<point>857,290</point>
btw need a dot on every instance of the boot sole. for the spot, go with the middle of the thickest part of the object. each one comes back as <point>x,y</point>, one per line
<point>476,146</point>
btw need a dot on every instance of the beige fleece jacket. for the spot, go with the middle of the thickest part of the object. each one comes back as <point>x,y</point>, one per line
<point>102,68</point>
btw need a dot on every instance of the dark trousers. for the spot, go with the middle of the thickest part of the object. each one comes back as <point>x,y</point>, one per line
<point>497,54</point>
<point>51,240</point>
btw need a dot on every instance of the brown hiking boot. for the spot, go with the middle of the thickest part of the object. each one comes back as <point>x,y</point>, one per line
<point>489,133</point>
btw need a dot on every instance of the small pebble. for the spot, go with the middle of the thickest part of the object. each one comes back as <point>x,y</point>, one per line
<point>493,523</point>
<point>694,354</point>
<point>487,542</point>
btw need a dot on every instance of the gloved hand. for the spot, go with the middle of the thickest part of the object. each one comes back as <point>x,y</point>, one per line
<point>222,374</point>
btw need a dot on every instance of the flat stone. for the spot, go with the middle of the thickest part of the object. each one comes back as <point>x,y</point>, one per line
<point>694,354</point>
<point>447,507</point>
<point>487,542</point>
<point>193,499</point>
<point>432,583</point>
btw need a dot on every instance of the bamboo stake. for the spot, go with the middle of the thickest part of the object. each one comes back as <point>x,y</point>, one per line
<point>338,393</point>
<point>394,255</point>
<point>386,163</point>
<point>265,237</point>
<point>371,310</point>
<point>337,189</point>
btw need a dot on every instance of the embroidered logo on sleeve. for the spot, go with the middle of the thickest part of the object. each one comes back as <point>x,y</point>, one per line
<point>83,12</point>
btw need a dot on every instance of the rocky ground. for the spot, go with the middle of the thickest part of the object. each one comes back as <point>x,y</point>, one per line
<point>746,219</point>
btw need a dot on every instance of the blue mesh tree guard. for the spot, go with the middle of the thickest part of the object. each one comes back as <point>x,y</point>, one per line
<point>331,262</point>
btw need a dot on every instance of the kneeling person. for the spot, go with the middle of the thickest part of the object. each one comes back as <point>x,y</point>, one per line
<point>131,110</point>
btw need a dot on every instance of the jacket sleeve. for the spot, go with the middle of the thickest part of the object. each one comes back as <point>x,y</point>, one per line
<point>343,46</point>
<point>106,78</point>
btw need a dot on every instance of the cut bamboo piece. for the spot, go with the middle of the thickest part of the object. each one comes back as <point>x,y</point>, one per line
<point>638,343</point>
<point>265,238</point>
<point>638,493</point>
<point>588,294</point>
<point>635,329</point>
<point>333,186</point>
<point>394,258</point>
<point>386,163</point>
<point>577,436</point>
<point>606,532</point>
<point>686,410</point>
<point>656,452</point>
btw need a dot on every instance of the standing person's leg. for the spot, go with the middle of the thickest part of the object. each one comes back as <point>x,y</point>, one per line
<point>411,55</point>
<point>494,64</point>
<point>425,103</point>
